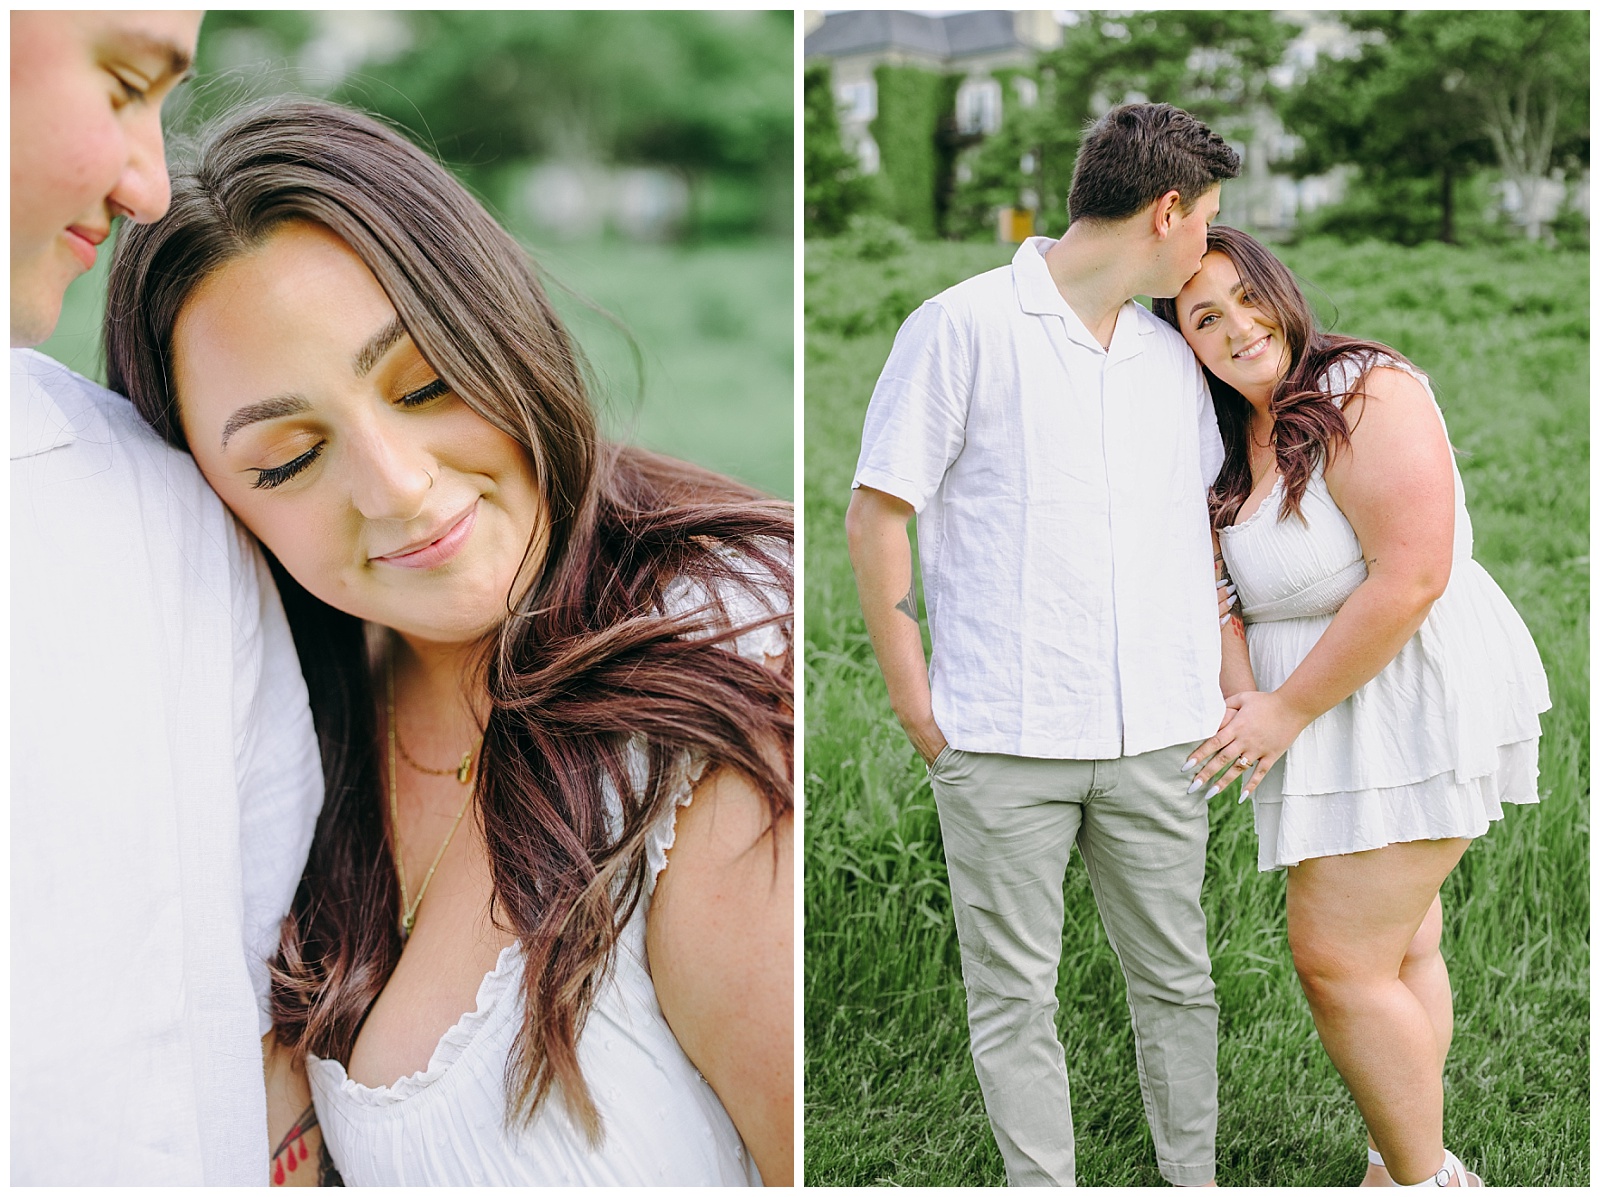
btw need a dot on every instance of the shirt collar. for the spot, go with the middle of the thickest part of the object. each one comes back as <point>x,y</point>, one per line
<point>1038,295</point>
<point>37,423</point>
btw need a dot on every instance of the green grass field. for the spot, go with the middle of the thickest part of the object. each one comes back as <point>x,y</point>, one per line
<point>890,1093</point>
<point>714,326</point>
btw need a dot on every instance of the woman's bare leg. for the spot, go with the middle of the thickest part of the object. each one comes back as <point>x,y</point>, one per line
<point>1353,921</point>
<point>1423,972</point>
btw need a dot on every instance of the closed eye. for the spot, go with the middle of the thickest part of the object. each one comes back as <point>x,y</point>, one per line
<point>131,94</point>
<point>270,476</point>
<point>426,394</point>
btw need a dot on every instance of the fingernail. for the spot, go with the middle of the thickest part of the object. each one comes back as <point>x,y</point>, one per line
<point>1194,785</point>
<point>1189,764</point>
<point>1244,795</point>
<point>1223,622</point>
<point>1213,792</point>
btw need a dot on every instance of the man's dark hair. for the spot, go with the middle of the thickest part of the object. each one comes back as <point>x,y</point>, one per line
<point>1136,153</point>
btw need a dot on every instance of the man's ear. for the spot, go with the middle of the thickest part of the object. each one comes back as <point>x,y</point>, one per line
<point>1164,213</point>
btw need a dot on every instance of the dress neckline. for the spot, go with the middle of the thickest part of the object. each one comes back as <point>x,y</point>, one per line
<point>450,1046</point>
<point>1272,492</point>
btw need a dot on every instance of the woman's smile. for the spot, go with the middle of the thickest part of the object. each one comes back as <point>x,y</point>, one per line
<point>1254,350</point>
<point>437,547</point>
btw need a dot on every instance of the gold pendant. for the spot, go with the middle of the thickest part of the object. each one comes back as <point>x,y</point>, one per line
<point>465,770</point>
<point>406,924</point>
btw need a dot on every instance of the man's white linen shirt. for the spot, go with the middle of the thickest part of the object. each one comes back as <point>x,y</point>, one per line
<point>1060,491</point>
<point>165,784</point>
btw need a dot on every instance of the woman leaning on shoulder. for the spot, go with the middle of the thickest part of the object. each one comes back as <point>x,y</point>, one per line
<point>1399,692</point>
<point>545,934</point>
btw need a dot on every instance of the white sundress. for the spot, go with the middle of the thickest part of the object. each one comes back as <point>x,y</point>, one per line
<point>664,1125</point>
<point>1429,748</point>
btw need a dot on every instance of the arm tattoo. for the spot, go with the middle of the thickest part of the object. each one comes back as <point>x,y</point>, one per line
<point>291,1152</point>
<point>1236,624</point>
<point>909,603</point>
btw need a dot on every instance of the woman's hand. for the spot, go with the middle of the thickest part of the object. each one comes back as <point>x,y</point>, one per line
<point>1256,730</point>
<point>1227,592</point>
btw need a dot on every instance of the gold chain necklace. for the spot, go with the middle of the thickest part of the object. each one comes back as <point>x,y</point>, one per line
<point>408,908</point>
<point>462,772</point>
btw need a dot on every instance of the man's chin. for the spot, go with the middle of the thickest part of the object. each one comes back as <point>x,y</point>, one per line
<point>35,312</point>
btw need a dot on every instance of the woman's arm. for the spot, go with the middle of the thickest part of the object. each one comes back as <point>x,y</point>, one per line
<point>1236,672</point>
<point>297,1155</point>
<point>1396,487</point>
<point>720,938</point>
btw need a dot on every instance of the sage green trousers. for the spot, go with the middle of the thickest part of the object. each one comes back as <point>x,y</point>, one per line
<point>1009,825</point>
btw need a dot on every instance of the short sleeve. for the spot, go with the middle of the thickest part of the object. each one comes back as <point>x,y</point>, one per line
<point>916,421</point>
<point>277,764</point>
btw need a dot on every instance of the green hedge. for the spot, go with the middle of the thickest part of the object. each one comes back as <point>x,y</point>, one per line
<point>913,107</point>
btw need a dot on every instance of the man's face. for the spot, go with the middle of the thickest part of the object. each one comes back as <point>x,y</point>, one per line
<point>86,93</point>
<point>1185,243</point>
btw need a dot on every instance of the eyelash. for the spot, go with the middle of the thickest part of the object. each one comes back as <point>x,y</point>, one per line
<point>426,394</point>
<point>130,93</point>
<point>1205,321</point>
<point>268,477</point>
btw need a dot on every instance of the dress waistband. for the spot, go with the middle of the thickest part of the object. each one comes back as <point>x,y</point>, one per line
<point>1322,597</point>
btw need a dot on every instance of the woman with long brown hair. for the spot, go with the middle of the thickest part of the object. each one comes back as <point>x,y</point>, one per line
<point>1399,692</point>
<point>520,953</point>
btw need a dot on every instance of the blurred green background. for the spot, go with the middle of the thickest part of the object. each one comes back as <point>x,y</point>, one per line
<point>645,159</point>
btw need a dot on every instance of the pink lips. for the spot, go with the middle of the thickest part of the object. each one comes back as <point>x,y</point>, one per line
<point>82,242</point>
<point>439,550</point>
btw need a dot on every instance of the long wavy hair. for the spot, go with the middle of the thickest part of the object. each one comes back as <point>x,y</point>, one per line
<point>587,662</point>
<point>1308,427</point>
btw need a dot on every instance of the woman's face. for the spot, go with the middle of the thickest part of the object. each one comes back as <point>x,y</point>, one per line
<point>317,420</point>
<point>1239,342</point>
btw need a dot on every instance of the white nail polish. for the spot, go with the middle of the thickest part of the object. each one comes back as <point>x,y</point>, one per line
<point>1193,786</point>
<point>1213,792</point>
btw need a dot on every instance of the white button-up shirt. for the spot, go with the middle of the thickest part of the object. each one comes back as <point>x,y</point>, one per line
<point>164,788</point>
<point>1060,491</point>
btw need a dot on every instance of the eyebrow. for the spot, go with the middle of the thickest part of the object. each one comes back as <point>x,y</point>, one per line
<point>179,62</point>
<point>369,355</point>
<point>385,339</point>
<point>1206,303</point>
<point>268,409</point>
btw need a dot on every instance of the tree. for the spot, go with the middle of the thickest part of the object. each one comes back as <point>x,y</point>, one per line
<point>834,188</point>
<point>708,94</point>
<point>1439,95</point>
<point>1214,64</point>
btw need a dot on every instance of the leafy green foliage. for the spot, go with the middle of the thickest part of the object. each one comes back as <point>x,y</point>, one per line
<point>890,1093</point>
<point>1419,101</point>
<point>914,106</point>
<point>834,188</point>
<point>1212,63</point>
<point>706,93</point>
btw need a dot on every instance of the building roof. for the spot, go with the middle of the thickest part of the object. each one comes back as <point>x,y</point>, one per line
<point>876,31</point>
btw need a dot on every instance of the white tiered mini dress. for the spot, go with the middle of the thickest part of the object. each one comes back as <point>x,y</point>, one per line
<point>664,1125</point>
<point>1429,748</point>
